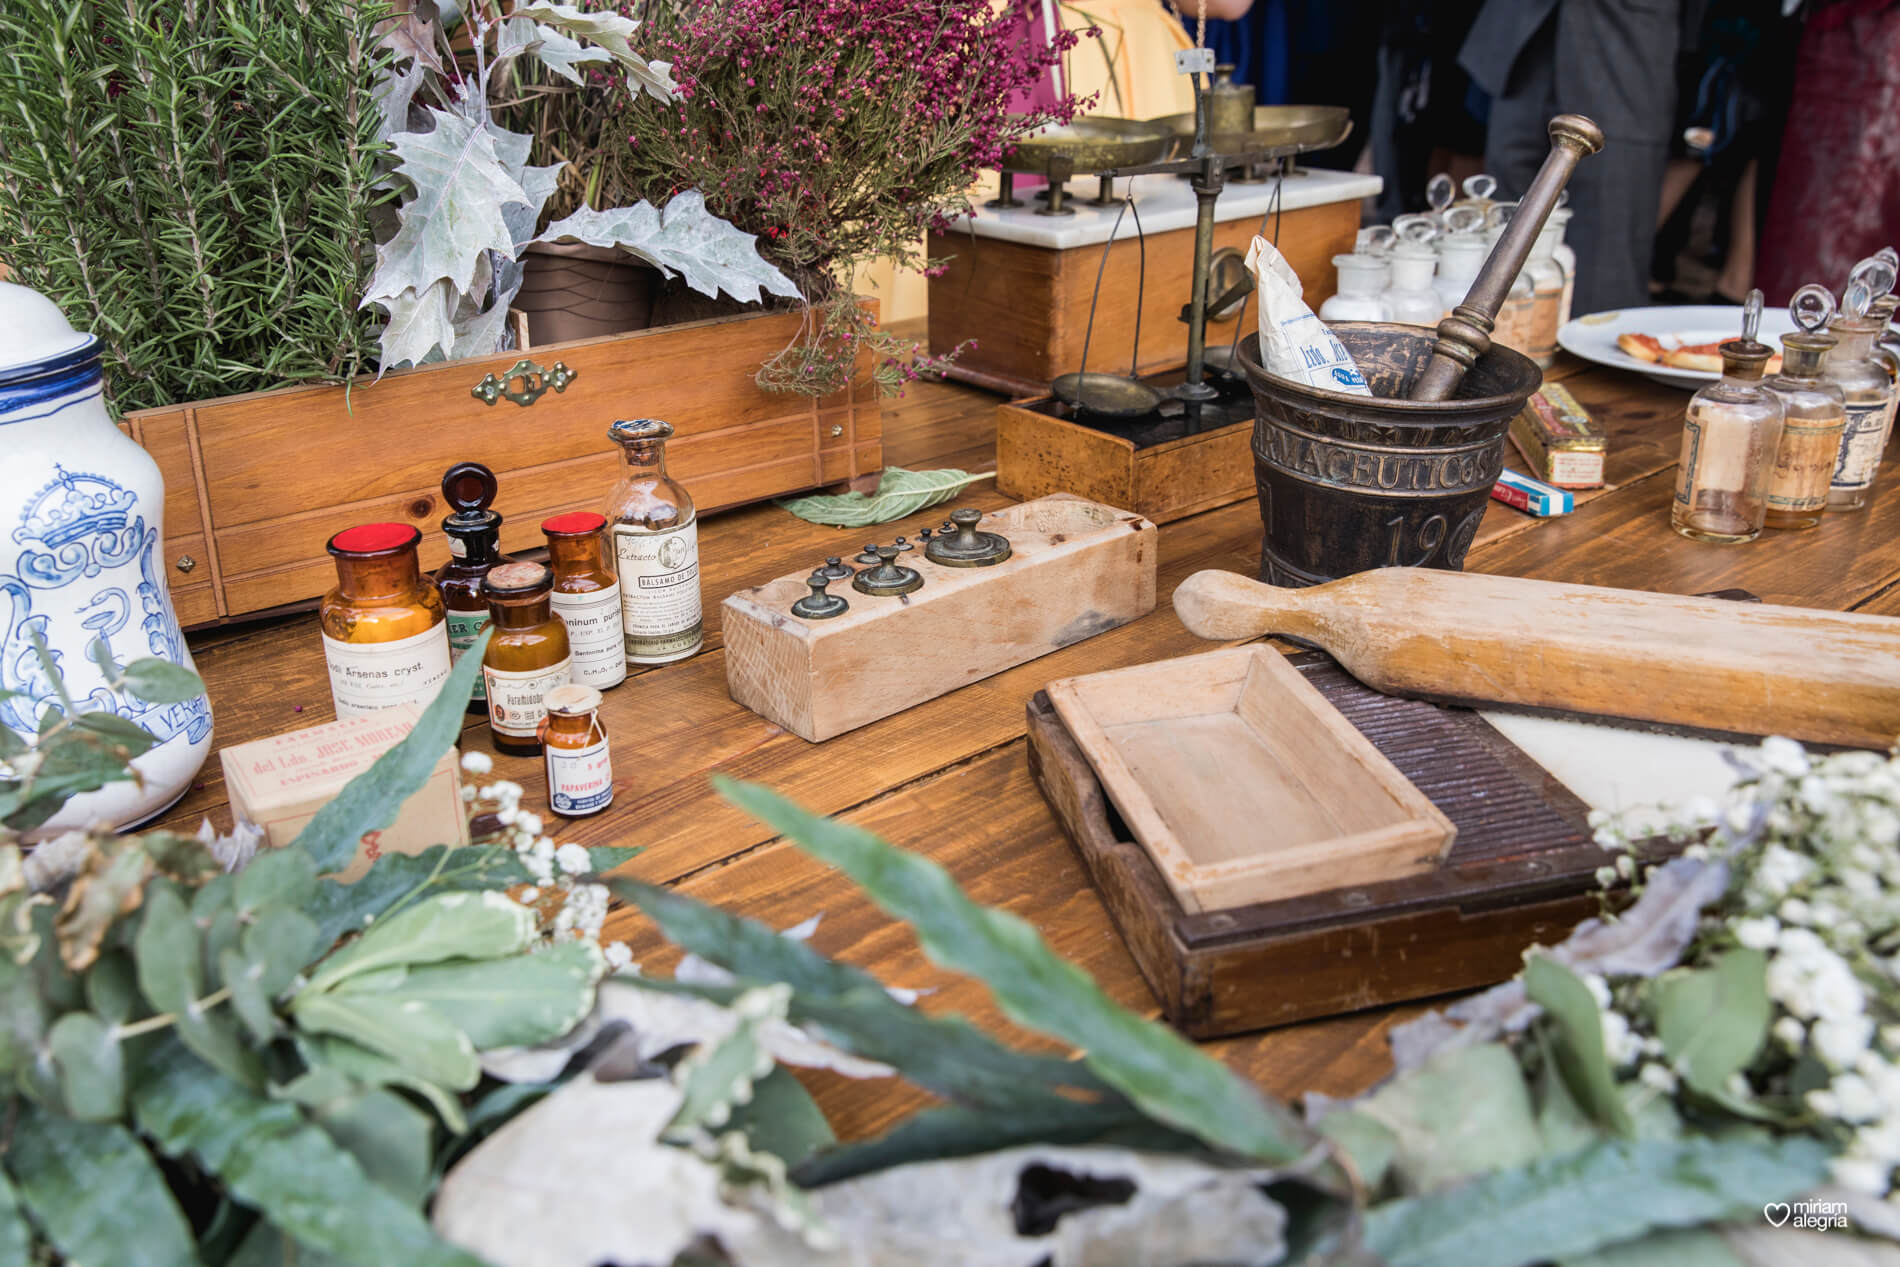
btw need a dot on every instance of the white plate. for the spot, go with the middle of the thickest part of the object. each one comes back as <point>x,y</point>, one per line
<point>1594,337</point>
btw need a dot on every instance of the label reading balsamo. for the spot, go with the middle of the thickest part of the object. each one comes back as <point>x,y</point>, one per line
<point>659,592</point>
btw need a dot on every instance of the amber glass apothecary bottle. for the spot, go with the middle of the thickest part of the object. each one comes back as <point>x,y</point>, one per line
<point>384,636</point>
<point>656,549</point>
<point>474,533</point>
<point>580,768</point>
<point>526,658</point>
<point>587,597</point>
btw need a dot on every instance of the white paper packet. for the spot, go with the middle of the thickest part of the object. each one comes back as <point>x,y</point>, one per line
<point>1295,344</point>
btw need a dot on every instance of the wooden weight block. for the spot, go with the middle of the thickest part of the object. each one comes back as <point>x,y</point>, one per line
<point>1076,569</point>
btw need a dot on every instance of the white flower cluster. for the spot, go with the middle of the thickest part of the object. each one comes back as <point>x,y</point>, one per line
<point>1815,844</point>
<point>557,869</point>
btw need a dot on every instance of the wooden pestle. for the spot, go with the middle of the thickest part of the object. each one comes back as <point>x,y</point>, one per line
<point>1744,668</point>
<point>1465,335</point>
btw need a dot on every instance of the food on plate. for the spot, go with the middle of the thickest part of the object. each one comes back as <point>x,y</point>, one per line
<point>1669,350</point>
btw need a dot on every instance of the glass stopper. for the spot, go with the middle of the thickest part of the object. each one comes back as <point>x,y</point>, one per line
<point>1415,228</point>
<point>1751,315</point>
<point>1499,214</point>
<point>1376,240</point>
<point>1481,186</point>
<point>1464,220</point>
<point>1439,192</point>
<point>1811,306</point>
<point>1869,280</point>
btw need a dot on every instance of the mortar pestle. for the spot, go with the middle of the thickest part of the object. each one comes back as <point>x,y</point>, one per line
<point>1402,479</point>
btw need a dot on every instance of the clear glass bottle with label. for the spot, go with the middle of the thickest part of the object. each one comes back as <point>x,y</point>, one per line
<point>656,549</point>
<point>1868,393</point>
<point>385,638</point>
<point>1729,437</point>
<point>587,597</point>
<point>1547,290</point>
<point>574,746</point>
<point>1815,412</point>
<point>474,533</point>
<point>527,657</point>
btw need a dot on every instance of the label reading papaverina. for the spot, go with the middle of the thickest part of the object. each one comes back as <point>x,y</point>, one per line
<point>464,628</point>
<point>1862,441</point>
<point>594,636</point>
<point>580,781</point>
<point>518,699</point>
<point>659,591</point>
<point>367,677</point>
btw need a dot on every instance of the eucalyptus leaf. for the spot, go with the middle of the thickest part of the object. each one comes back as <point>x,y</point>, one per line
<point>1609,1193</point>
<point>1577,1040</point>
<point>124,732</point>
<point>510,1002</point>
<point>171,974</point>
<point>1156,1068</point>
<point>109,885</point>
<point>248,998</point>
<point>446,926</point>
<point>96,1194</point>
<point>899,493</point>
<point>112,987</point>
<point>1465,1112</point>
<point>271,1158</point>
<point>91,1066</point>
<point>389,1137</point>
<point>682,237</point>
<point>284,876</point>
<point>370,801</point>
<point>1713,1021</point>
<point>373,1069</point>
<point>1679,1247</point>
<point>16,1238</point>
<point>161,682</point>
<point>415,1036</point>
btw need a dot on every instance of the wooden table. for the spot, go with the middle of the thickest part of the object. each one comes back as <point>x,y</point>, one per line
<point>949,778</point>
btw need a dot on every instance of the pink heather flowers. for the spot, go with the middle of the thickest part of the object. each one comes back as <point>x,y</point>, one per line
<point>838,131</point>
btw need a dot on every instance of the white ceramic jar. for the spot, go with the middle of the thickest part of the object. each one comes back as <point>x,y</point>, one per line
<point>1410,296</point>
<point>1461,257</point>
<point>81,558</point>
<point>1361,293</point>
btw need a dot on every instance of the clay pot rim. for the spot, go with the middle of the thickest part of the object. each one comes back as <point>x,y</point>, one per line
<point>1413,410</point>
<point>587,251</point>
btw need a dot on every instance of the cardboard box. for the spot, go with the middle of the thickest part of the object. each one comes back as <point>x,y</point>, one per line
<point>1558,438</point>
<point>279,784</point>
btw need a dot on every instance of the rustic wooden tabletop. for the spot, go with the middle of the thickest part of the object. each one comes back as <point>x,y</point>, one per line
<point>949,778</point>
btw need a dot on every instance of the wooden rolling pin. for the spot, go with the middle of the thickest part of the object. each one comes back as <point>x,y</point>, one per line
<point>1745,668</point>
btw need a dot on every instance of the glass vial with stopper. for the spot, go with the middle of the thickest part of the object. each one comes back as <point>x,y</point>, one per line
<point>587,597</point>
<point>474,533</point>
<point>1863,380</point>
<point>1410,295</point>
<point>656,549</point>
<point>1548,287</point>
<point>574,748</point>
<point>1730,434</point>
<point>385,638</point>
<point>1516,320</point>
<point>527,657</point>
<point>1814,411</point>
<point>1361,293</point>
<point>1440,193</point>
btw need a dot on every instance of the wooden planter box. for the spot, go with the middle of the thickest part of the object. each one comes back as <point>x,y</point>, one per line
<point>255,485</point>
<point>1037,454</point>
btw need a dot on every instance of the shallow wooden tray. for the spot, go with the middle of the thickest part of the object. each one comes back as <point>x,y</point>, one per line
<point>1521,873</point>
<point>1243,782</point>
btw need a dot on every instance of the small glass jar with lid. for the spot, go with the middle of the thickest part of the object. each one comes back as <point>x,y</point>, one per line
<point>1868,392</point>
<point>655,534</point>
<point>1410,296</point>
<point>574,748</point>
<point>1461,257</point>
<point>587,597</point>
<point>1361,293</point>
<point>526,658</point>
<point>1730,434</point>
<point>1547,291</point>
<point>385,638</point>
<point>474,533</point>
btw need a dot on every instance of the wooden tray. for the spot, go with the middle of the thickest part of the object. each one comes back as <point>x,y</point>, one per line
<point>1521,872</point>
<point>1244,782</point>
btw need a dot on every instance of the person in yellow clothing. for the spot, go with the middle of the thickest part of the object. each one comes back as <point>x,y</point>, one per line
<point>1128,70</point>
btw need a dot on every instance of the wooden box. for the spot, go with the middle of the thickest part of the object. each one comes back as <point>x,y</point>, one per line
<point>1521,872</point>
<point>1019,285</point>
<point>256,484</point>
<point>1243,783</point>
<point>1038,454</point>
<point>1076,569</point>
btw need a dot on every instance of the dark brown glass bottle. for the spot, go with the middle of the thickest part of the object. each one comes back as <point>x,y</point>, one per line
<point>474,533</point>
<point>384,638</point>
<point>527,657</point>
<point>587,597</point>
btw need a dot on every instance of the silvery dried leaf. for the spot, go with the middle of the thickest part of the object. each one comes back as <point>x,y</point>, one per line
<point>455,213</point>
<point>684,238</point>
<point>662,1020</point>
<point>419,328</point>
<point>611,32</point>
<point>558,52</point>
<point>899,493</point>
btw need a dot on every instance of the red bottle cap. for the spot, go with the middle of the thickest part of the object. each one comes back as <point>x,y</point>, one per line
<point>574,524</point>
<point>374,538</point>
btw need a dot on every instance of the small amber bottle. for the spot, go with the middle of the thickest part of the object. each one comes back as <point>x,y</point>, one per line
<point>580,769</point>
<point>384,636</point>
<point>527,657</point>
<point>474,533</point>
<point>656,549</point>
<point>587,597</point>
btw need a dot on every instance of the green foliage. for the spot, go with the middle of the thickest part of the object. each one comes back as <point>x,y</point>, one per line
<point>1611,1192</point>
<point>95,1193</point>
<point>899,493</point>
<point>1157,1069</point>
<point>194,183</point>
<point>1577,1040</point>
<point>1714,1020</point>
<point>1466,1112</point>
